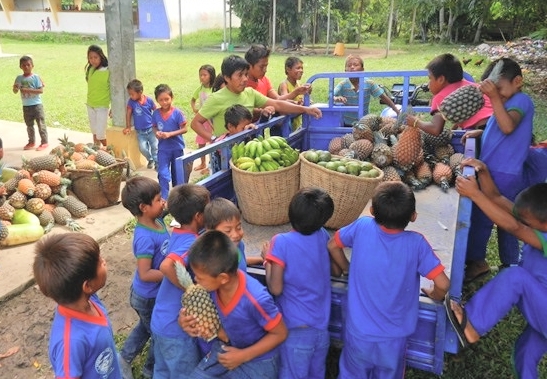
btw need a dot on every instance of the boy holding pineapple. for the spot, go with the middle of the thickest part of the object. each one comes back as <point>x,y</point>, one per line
<point>176,353</point>
<point>384,283</point>
<point>69,269</point>
<point>504,147</point>
<point>445,73</point>
<point>292,259</point>
<point>141,196</point>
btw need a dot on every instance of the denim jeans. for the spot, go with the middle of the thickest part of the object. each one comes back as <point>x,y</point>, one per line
<point>141,332</point>
<point>304,354</point>
<point>175,358</point>
<point>148,144</point>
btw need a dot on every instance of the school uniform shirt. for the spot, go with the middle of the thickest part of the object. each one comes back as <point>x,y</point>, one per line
<point>535,261</point>
<point>32,81</point>
<point>216,105</point>
<point>507,152</point>
<point>98,87</point>
<point>484,112</point>
<point>82,346</point>
<point>166,311</point>
<point>249,315</point>
<point>345,88</point>
<point>242,260</point>
<point>141,111</point>
<point>149,244</point>
<point>384,278</point>
<point>305,300</point>
<point>169,123</point>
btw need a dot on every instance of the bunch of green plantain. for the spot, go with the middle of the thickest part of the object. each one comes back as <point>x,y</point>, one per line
<point>263,154</point>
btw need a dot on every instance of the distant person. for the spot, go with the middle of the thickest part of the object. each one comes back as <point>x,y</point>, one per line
<point>69,269</point>
<point>298,275</point>
<point>294,69</point>
<point>141,196</point>
<point>48,24</point>
<point>31,87</point>
<point>43,25</point>
<point>207,77</point>
<point>169,125</point>
<point>445,73</point>
<point>97,77</point>
<point>140,108</point>
<point>384,283</point>
<point>348,92</point>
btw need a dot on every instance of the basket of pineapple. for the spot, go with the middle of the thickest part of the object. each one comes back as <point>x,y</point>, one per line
<point>349,182</point>
<point>266,175</point>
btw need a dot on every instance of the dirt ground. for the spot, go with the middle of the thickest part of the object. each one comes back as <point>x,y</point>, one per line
<point>25,319</point>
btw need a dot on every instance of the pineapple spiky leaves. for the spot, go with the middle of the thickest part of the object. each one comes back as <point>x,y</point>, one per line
<point>198,302</point>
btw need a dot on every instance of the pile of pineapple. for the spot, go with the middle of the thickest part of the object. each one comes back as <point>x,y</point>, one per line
<point>42,185</point>
<point>404,153</point>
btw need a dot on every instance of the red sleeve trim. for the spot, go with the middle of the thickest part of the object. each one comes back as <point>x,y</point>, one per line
<point>337,240</point>
<point>273,322</point>
<point>274,259</point>
<point>435,272</point>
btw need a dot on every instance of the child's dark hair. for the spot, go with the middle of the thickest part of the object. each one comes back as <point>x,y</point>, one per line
<point>135,85</point>
<point>139,190</point>
<point>235,114</point>
<point>186,200</point>
<point>162,88</point>
<point>393,204</point>
<point>256,53</point>
<point>533,200</point>
<point>215,253</point>
<point>100,53</point>
<point>220,210</point>
<point>212,73</point>
<point>218,83</point>
<point>62,264</point>
<point>290,62</point>
<point>446,65</point>
<point>25,58</point>
<point>233,63</point>
<point>509,70</point>
<point>309,209</point>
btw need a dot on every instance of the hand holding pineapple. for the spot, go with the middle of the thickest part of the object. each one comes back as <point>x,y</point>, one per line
<point>190,324</point>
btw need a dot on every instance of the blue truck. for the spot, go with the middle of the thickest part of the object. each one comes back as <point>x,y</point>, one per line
<point>442,217</point>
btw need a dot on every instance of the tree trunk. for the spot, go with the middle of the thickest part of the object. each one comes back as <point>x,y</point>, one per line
<point>361,6</point>
<point>478,32</point>
<point>441,22</point>
<point>413,26</point>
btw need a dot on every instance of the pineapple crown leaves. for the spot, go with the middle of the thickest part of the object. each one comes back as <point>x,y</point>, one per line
<point>183,275</point>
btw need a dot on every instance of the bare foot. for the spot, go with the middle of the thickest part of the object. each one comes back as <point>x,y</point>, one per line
<point>200,167</point>
<point>204,171</point>
<point>470,333</point>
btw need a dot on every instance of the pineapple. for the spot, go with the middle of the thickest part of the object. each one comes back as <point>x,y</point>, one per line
<point>442,175</point>
<point>6,211</point>
<point>347,153</point>
<point>362,133</point>
<point>423,173</point>
<point>86,164</point>
<point>198,302</point>
<point>410,179</point>
<point>26,186</point>
<point>74,205</point>
<point>50,178</point>
<point>443,153</point>
<point>381,154</point>
<point>391,174</point>
<point>455,161</point>
<point>431,141</point>
<point>45,162</point>
<point>63,217</point>
<point>371,121</point>
<point>42,191</point>
<point>462,104</point>
<point>11,185</point>
<point>22,174</point>
<point>408,148</point>
<point>363,148</point>
<point>4,231</point>
<point>390,126</point>
<point>35,205</point>
<point>335,145</point>
<point>17,200</point>
<point>104,159</point>
<point>46,220</point>
<point>347,139</point>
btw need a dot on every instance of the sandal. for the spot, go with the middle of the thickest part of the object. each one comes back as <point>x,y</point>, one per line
<point>459,327</point>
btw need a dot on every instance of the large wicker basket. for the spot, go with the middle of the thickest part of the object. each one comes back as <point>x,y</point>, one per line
<point>98,188</point>
<point>264,197</point>
<point>350,193</point>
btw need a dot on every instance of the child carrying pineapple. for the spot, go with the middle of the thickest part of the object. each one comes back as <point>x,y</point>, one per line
<point>252,325</point>
<point>141,196</point>
<point>504,147</point>
<point>298,274</point>
<point>445,73</point>
<point>176,353</point>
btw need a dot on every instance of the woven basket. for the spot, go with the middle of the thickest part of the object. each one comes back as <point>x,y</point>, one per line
<point>98,188</point>
<point>264,197</point>
<point>350,193</point>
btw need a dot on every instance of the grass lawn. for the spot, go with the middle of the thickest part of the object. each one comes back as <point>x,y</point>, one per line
<point>60,61</point>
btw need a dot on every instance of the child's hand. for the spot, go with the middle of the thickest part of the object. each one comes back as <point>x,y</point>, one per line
<point>189,323</point>
<point>471,134</point>
<point>478,165</point>
<point>467,186</point>
<point>249,126</point>
<point>268,111</point>
<point>232,357</point>
<point>412,120</point>
<point>340,99</point>
<point>265,249</point>
<point>489,88</point>
<point>126,130</point>
<point>313,111</point>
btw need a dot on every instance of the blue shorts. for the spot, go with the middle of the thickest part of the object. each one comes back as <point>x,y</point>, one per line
<point>174,357</point>
<point>304,354</point>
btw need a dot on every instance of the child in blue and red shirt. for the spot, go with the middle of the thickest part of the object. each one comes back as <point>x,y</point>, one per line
<point>298,275</point>
<point>504,148</point>
<point>384,283</point>
<point>177,353</point>
<point>141,196</point>
<point>252,326</point>
<point>69,269</point>
<point>169,125</point>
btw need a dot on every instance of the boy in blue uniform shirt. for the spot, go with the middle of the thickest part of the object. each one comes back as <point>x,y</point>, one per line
<point>298,275</point>
<point>141,196</point>
<point>252,326</point>
<point>177,353</point>
<point>524,286</point>
<point>384,283</point>
<point>69,269</point>
<point>508,133</point>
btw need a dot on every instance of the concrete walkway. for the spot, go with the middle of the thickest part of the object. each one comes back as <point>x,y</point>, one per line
<point>16,262</point>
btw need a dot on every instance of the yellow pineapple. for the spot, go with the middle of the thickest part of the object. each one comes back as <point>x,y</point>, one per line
<point>442,175</point>
<point>407,150</point>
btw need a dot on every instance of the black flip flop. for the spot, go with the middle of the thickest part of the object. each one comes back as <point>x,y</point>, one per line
<point>458,327</point>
